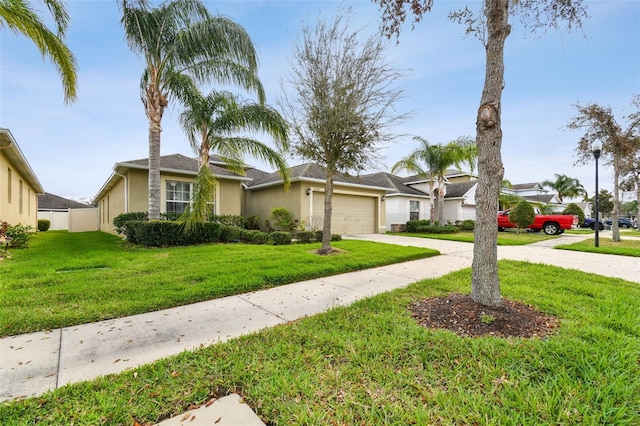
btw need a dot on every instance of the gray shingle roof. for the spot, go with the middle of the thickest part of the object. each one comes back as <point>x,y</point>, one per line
<point>394,182</point>
<point>522,186</point>
<point>311,171</point>
<point>539,198</point>
<point>459,189</point>
<point>179,162</point>
<point>48,201</point>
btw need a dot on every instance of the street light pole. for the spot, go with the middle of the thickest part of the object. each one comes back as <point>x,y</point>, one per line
<point>596,148</point>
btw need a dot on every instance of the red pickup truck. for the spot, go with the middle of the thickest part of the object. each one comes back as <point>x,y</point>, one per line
<point>553,224</point>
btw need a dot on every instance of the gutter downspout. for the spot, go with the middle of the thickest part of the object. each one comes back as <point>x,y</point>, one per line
<point>126,190</point>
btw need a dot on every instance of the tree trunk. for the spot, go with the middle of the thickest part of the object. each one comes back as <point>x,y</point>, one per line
<point>154,103</point>
<point>328,208</point>
<point>432,203</point>
<point>616,201</point>
<point>441,193</point>
<point>485,285</point>
<point>154,170</point>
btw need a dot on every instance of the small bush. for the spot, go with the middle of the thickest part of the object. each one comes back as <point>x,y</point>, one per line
<point>414,225</point>
<point>44,225</point>
<point>318,235</point>
<point>283,219</point>
<point>305,237</point>
<point>254,236</point>
<point>228,220</point>
<point>19,234</point>
<point>252,222</point>
<point>165,233</point>
<point>468,225</point>
<point>230,234</point>
<point>281,238</point>
<point>336,237</point>
<point>522,215</point>
<point>121,219</point>
<point>173,216</point>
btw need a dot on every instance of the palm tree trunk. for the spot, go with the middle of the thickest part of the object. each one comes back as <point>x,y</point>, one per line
<point>485,285</point>
<point>328,208</point>
<point>441,193</point>
<point>432,203</point>
<point>154,170</point>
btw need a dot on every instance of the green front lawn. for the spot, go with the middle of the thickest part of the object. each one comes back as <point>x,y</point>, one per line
<point>607,246</point>
<point>66,279</point>
<point>372,364</point>
<point>508,237</point>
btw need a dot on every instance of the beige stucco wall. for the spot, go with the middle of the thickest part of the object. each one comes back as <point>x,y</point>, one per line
<point>260,202</point>
<point>136,185</point>
<point>18,200</point>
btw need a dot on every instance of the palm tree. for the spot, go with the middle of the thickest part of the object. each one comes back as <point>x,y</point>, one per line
<point>22,18</point>
<point>211,123</point>
<point>436,159</point>
<point>566,186</point>
<point>181,42</point>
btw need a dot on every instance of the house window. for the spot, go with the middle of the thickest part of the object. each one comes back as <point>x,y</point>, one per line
<point>414,210</point>
<point>178,196</point>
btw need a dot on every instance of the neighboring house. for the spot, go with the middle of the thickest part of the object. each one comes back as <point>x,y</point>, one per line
<point>536,194</point>
<point>127,189</point>
<point>402,202</point>
<point>358,202</point>
<point>67,215</point>
<point>19,185</point>
<point>409,199</point>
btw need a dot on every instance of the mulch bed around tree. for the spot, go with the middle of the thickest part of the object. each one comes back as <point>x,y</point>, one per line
<point>458,313</point>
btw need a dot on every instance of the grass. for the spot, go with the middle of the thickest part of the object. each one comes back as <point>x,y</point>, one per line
<point>371,363</point>
<point>607,246</point>
<point>508,237</point>
<point>66,279</point>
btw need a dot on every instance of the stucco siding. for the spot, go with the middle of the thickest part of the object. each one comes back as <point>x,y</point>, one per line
<point>230,197</point>
<point>18,199</point>
<point>260,202</point>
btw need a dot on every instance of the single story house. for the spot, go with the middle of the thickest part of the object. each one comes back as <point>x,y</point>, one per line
<point>127,189</point>
<point>19,186</point>
<point>357,203</point>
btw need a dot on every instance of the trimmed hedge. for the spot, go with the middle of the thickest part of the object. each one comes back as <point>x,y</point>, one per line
<point>424,226</point>
<point>120,220</point>
<point>281,238</point>
<point>44,225</point>
<point>254,236</point>
<point>164,233</point>
<point>305,237</point>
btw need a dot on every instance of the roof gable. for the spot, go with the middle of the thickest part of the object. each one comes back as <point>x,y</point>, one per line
<point>48,201</point>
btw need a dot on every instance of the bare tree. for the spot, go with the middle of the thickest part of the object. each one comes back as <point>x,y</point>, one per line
<point>619,145</point>
<point>341,106</point>
<point>490,24</point>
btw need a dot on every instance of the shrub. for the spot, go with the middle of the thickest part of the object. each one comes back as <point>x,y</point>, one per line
<point>254,236</point>
<point>574,209</point>
<point>121,219</point>
<point>44,225</point>
<point>283,219</point>
<point>280,238</point>
<point>166,233</point>
<point>173,216</point>
<point>336,237</point>
<point>468,225</point>
<point>230,234</point>
<point>252,222</point>
<point>522,214</point>
<point>414,225</point>
<point>228,220</point>
<point>305,237</point>
<point>318,235</point>
<point>19,234</point>
<point>3,228</point>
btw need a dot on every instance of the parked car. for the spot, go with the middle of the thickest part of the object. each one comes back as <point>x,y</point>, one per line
<point>554,224</point>
<point>623,222</point>
<point>590,222</point>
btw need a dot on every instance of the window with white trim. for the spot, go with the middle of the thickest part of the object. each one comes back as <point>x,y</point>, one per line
<point>178,196</point>
<point>414,210</point>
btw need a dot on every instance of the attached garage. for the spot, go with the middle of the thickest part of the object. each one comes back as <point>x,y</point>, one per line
<point>350,213</point>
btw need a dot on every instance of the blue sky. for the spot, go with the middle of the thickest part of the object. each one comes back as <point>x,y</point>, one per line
<point>72,149</point>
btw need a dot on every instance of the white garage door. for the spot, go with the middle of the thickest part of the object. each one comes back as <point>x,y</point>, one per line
<point>351,214</point>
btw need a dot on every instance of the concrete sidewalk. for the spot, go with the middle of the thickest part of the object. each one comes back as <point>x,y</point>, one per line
<point>34,363</point>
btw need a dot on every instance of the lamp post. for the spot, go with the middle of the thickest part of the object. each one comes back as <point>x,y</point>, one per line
<point>596,149</point>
